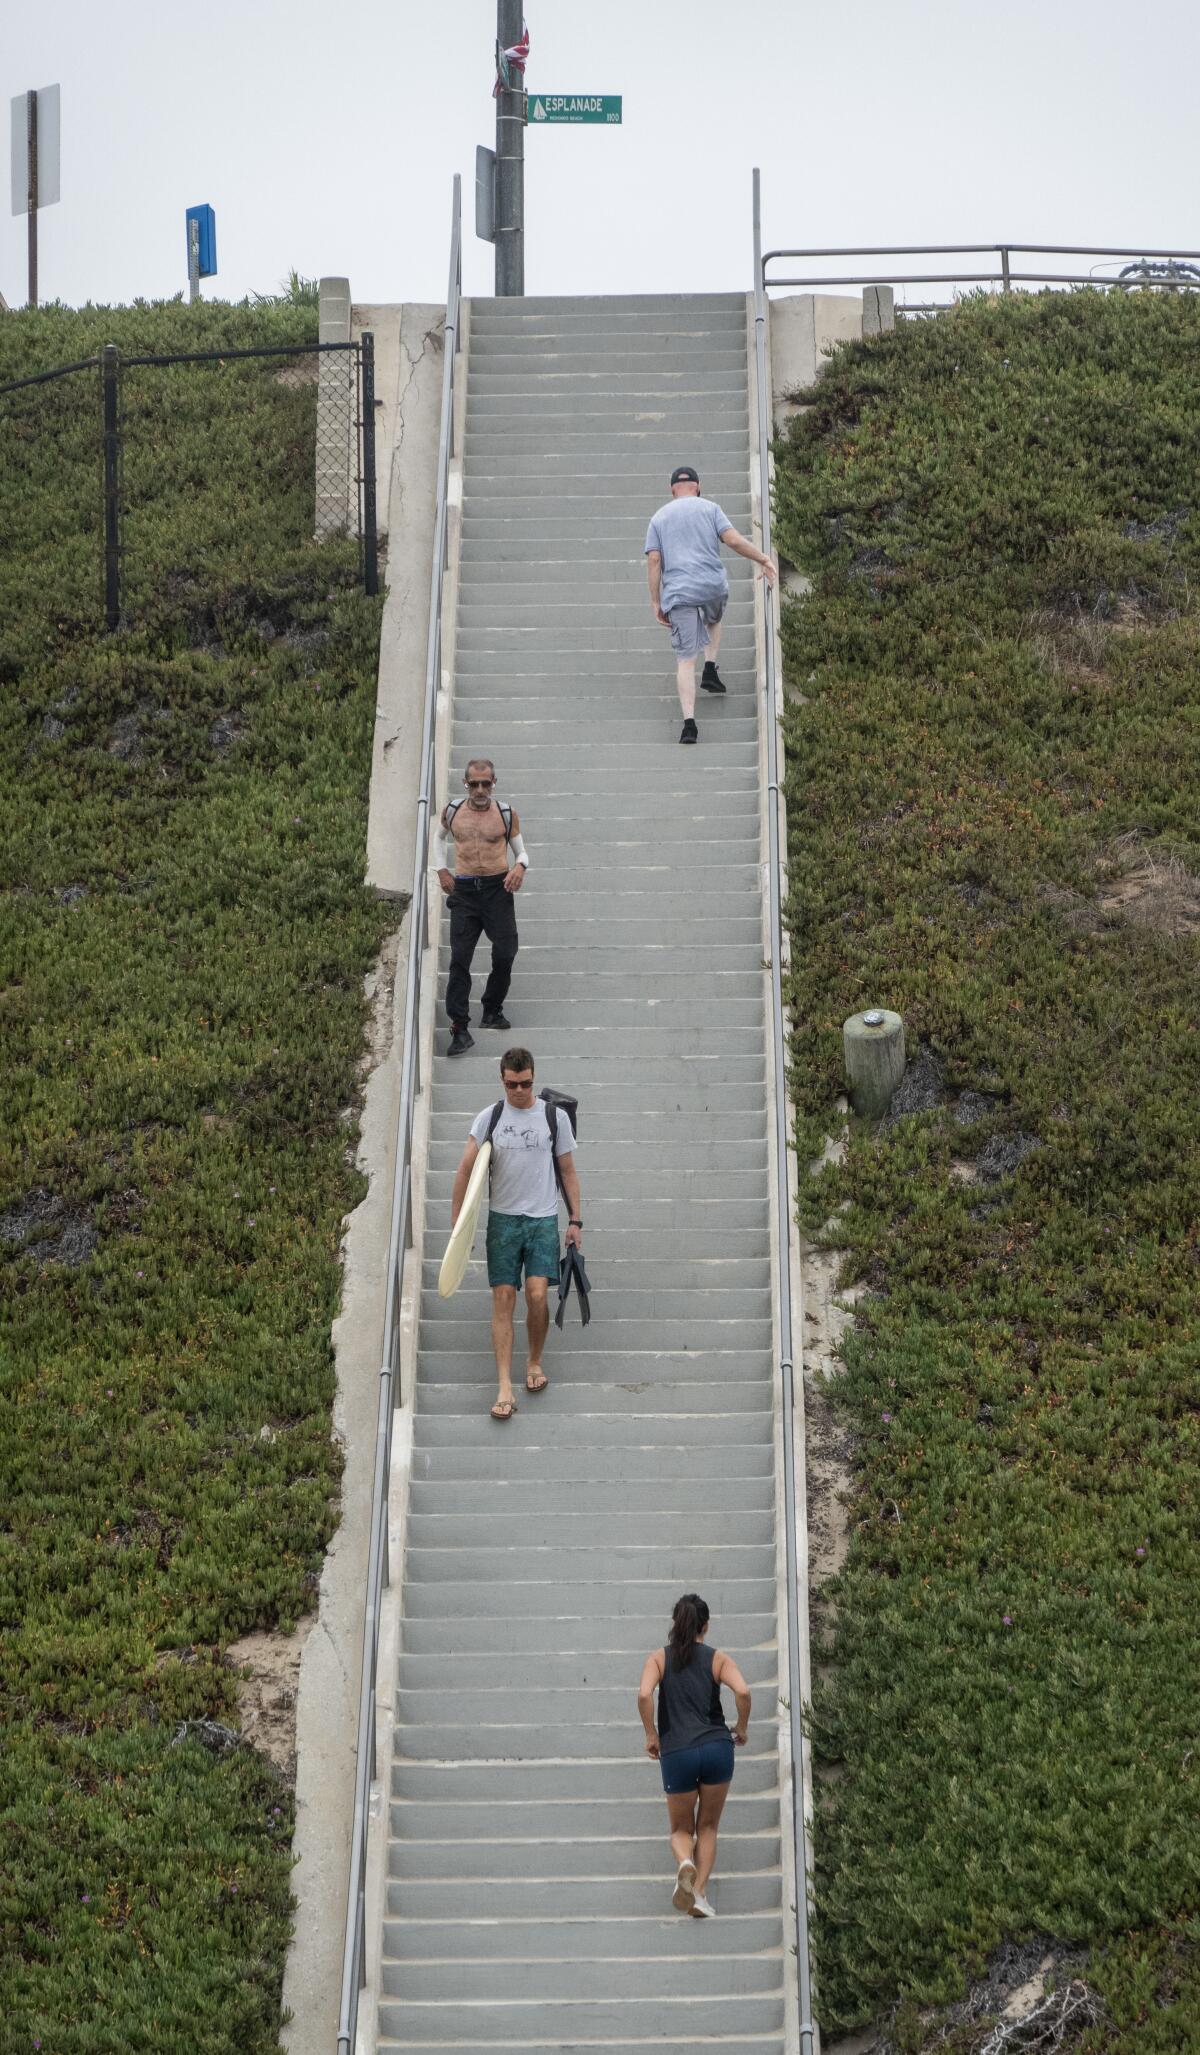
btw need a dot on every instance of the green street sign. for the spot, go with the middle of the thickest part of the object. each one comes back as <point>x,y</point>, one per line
<point>574,107</point>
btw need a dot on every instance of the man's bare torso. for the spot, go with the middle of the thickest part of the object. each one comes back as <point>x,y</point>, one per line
<point>480,842</point>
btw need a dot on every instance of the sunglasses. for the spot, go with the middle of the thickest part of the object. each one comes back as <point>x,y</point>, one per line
<point>480,784</point>
<point>518,1084</point>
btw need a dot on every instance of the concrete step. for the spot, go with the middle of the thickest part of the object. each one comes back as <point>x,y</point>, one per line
<point>607,1710</point>
<point>493,1933</point>
<point>590,306</point>
<point>529,1741</point>
<point>629,1461</point>
<point>612,328</point>
<point>679,1974</point>
<point>598,415</point>
<point>757,2044</point>
<point>574,1563</point>
<point>644,459</point>
<point>597,1898</point>
<point>471,1828</point>
<point>519,435</point>
<point>633,1632</point>
<point>620,1388</point>
<point>598,582</point>
<point>437,1428</point>
<point>485,1809</point>
<point>666,1081</point>
<point>591,378</point>
<point>502,1851</point>
<point>510,1672</point>
<point>702,2022</point>
<point>446,1599</point>
<point>658,342</point>
<point>745,1527</point>
<point>572,490</point>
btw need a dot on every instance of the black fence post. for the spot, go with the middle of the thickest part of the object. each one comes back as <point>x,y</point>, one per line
<point>369,518</point>
<point>110,380</point>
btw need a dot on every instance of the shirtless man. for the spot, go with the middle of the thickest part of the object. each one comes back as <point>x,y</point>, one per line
<point>479,891</point>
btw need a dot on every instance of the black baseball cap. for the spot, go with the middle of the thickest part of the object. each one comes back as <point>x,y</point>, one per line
<point>683,471</point>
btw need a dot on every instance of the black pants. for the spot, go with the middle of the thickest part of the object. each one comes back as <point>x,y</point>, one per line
<point>480,906</point>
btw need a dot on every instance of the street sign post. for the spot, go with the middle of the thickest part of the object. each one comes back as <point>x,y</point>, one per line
<point>201,247</point>
<point>604,108</point>
<point>36,154</point>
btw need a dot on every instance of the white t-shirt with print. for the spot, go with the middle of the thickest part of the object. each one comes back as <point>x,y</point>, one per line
<point>523,1178</point>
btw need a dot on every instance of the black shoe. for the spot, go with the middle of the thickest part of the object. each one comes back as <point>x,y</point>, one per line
<point>495,1020</point>
<point>710,679</point>
<point>460,1040</point>
<point>690,732</point>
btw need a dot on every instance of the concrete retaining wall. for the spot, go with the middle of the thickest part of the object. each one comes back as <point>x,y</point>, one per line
<point>408,346</point>
<point>805,327</point>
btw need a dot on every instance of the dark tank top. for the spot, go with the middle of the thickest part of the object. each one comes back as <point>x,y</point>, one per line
<point>689,1703</point>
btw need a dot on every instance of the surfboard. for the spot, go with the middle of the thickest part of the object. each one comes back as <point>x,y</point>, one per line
<point>462,1234</point>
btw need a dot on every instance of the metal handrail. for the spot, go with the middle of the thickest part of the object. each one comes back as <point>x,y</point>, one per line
<point>782,1197</point>
<point>354,1961</point>
<point>1005,277</point>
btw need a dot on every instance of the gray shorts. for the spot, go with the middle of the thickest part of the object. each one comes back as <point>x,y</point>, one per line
<point>690,625</point>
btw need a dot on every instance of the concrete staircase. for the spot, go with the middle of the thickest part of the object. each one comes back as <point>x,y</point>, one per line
<point>528,1900</point>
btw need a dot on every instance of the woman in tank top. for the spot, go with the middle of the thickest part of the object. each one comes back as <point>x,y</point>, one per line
<point>692,1744</point>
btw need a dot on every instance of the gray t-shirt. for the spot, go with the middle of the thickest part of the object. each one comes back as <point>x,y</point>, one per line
<point>523,1178</point>
<point>686,535</point>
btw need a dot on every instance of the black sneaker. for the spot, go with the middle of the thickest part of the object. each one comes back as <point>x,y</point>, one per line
<point>711,680</point>
<point>495,1020</point>
<point>461,1040</point>
<point>690,732</point>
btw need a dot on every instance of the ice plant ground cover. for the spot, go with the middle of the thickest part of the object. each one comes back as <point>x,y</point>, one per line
<point>994,788</point>
<point>183,938</point>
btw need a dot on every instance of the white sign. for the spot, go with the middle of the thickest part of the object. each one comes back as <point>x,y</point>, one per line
<point>49,129</point>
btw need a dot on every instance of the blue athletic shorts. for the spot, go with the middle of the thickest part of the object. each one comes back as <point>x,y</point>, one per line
<point>685,1769</point>
<point>516,1242</point>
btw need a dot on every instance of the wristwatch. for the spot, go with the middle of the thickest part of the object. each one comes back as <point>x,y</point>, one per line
<point>574,1223</point>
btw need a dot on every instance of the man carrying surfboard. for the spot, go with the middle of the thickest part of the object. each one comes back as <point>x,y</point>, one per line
<point>476,835</point>
<point>527,1140</point>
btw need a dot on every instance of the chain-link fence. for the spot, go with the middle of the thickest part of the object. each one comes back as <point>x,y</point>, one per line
<point>106,456</point>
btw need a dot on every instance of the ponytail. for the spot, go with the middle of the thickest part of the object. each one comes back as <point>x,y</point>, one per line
<point>688,1622</point>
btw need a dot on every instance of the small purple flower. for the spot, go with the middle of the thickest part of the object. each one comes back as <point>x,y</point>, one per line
<point>1139,1551</point>
<point>1008,1619</point>
<point>86,1898</point>
<point>139,1273</point>
<point>110,1393</point>
<point>251,1222</point>
<point>885,1416</point>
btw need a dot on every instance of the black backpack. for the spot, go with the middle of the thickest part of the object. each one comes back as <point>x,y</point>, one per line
<point>551,1100</point>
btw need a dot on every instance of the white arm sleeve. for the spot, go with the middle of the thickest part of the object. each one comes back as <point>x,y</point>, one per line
<point>443,849</point>
<point>517,844</point>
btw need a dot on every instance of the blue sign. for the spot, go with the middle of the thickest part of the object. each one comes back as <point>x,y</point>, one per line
<point>206,221</point>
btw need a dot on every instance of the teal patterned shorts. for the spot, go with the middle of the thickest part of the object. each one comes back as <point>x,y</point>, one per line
<point>513,1240</point>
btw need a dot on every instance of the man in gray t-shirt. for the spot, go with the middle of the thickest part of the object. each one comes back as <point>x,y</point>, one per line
<point>688,586</point>
<point>522,1230</point>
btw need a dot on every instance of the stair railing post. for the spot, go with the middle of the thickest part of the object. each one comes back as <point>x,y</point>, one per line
<point>110,386</point>
<point>369,511</point>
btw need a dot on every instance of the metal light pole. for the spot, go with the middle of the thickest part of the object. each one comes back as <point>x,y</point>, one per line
<point>510,160</point>
<point>32,143</point>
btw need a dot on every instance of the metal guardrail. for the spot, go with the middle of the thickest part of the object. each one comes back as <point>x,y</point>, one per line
<point>1169,270</point>
<point>354,1961</point>
<point>782,1197</point>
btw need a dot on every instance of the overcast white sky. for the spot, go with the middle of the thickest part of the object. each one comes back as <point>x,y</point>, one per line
<point>325,134</point>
